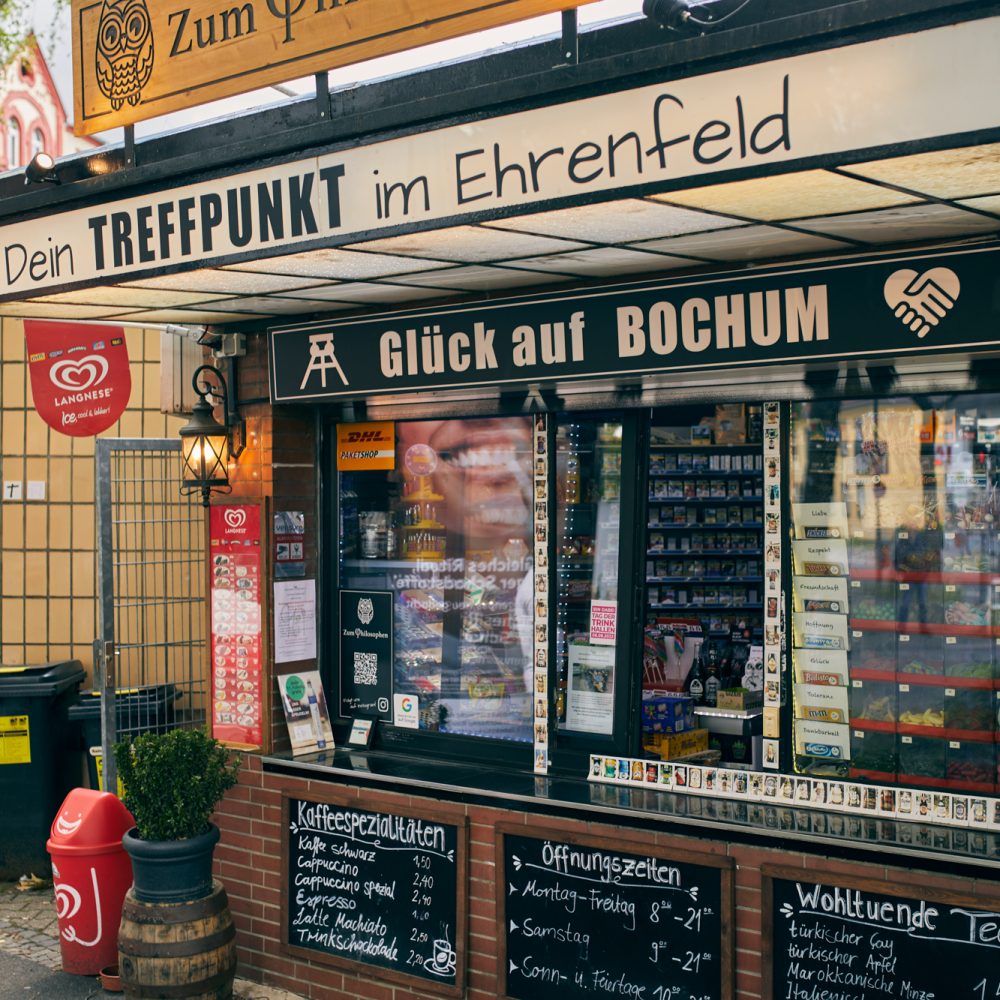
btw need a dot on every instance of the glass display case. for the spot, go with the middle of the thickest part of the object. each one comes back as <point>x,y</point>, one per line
<point>588,457</point>
<point>907,488</point>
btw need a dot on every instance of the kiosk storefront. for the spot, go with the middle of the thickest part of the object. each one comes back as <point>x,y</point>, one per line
<point>638,538</point>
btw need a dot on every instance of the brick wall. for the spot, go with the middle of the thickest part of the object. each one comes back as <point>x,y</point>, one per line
<point>248,862</point>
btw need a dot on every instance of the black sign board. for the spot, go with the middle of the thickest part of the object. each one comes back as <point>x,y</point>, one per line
<point>379,892</point>
<point>844,937</point>
<point>366,653</point>
<point>579,917</point>
<point>865,308</point>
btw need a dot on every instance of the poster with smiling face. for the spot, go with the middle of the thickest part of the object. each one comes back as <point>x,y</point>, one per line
<point>80,378</point>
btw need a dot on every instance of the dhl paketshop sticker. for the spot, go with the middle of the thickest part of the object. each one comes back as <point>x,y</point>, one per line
<point>367,446</point>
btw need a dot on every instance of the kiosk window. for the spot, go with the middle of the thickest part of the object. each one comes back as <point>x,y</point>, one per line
<point>895,587</point>
<point>446,528</point>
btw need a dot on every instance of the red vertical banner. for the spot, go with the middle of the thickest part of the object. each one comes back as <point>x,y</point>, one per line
<point>234,533</point>
<point>80,378</point>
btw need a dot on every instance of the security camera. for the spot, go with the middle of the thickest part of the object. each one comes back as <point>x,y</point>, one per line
<point>668,13</point>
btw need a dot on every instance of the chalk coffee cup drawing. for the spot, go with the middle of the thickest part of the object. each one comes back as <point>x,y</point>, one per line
<point>443,959</point>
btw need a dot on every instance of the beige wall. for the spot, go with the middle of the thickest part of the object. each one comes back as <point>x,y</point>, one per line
<point>48,605</point>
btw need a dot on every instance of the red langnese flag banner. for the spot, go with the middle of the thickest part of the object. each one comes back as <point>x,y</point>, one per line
<point>80,377</point>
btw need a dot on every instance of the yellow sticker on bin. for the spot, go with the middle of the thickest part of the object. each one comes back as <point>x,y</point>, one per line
<point>12,670</point>
<point>98,756</point>
<point>15,740</point>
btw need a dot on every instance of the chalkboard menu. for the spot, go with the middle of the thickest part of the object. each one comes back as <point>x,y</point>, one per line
<point>580,917</point>
<point>379,892</point>
<point>845,937</point>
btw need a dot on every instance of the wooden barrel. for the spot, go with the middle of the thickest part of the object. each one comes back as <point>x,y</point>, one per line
<point>184,950</point>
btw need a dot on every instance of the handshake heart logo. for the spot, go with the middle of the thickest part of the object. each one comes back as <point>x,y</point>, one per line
<point>920,301</point>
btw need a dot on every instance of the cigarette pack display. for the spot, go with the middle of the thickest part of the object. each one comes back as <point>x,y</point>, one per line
<point>711,521</point>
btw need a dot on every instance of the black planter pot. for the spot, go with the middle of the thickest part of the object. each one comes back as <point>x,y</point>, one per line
<point>171,871</point>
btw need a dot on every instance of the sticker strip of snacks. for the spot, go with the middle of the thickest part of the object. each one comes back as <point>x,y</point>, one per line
<point>773,605</point>
<point>540,697</point>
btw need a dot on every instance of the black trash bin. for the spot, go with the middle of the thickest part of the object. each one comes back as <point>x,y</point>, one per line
<point>147,709</point>
<point>39,759</point>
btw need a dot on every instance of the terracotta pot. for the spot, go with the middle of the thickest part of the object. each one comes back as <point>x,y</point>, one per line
<point>110,980</point>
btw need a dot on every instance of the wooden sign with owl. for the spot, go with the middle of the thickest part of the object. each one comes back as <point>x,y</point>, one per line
<point>136,59</point>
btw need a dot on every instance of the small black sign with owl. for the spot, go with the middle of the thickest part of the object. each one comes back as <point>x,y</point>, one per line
<point>366,653</point>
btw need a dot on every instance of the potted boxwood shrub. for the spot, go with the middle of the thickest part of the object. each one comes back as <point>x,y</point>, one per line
<point>173,782</point>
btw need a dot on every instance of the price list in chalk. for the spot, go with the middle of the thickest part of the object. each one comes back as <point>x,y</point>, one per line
<point>375,888</point>
<point>584,919</point>
<point>858,940</point>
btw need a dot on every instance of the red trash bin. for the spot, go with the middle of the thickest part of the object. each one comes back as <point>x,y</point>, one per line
<point>91,873</point>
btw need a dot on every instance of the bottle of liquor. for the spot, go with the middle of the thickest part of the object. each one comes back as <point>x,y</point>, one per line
<point>696,682</point>
<point>712,686</point>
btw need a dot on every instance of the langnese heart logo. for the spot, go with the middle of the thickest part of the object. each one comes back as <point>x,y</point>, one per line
<point>235,517</point>
<point>75,376</point>
<point>921,301</point>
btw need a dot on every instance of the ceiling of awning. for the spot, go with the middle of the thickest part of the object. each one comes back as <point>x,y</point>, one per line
<point>924,198</point>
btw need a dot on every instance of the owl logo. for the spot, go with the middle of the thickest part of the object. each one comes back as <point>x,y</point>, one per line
<point>366,611</point>
<point>124,51</point>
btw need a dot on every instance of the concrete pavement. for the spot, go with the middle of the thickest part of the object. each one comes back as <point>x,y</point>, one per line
<point>31,962</point>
